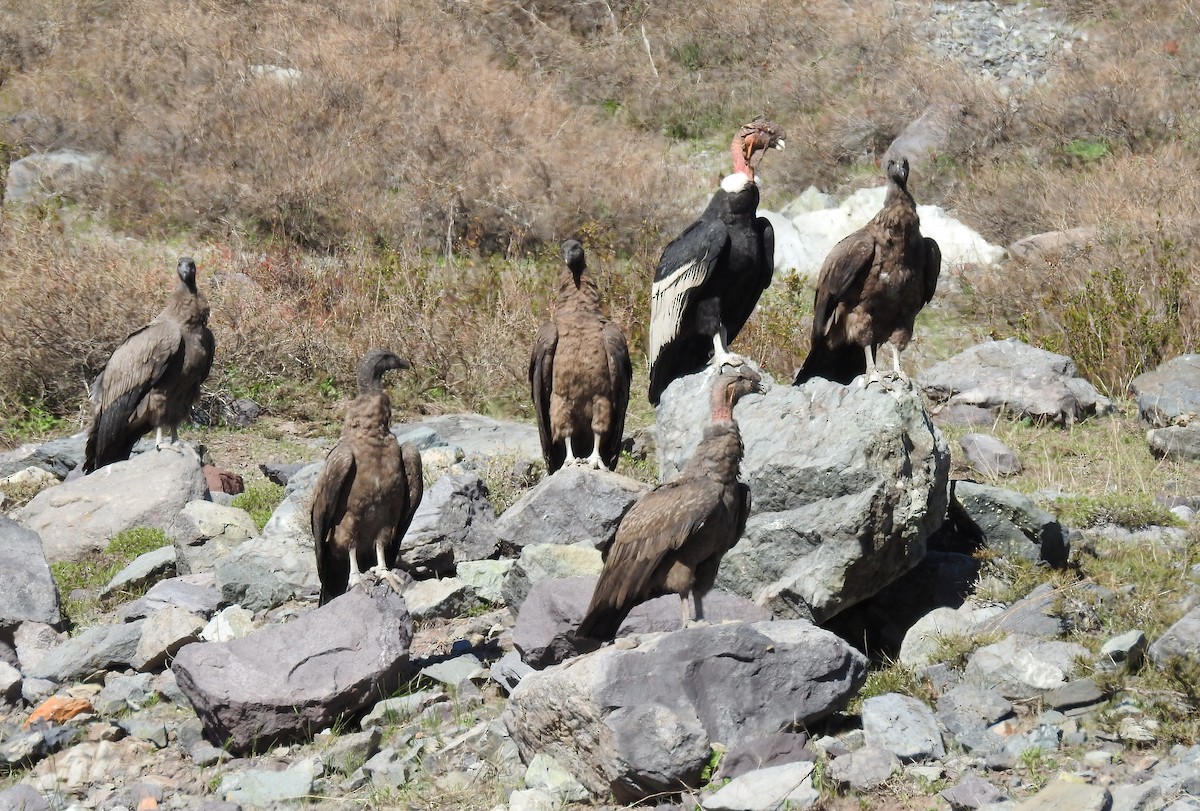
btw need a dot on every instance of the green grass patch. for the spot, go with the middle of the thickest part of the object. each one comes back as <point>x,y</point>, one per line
<point>260,501</point>
<point>891,677</point>
<point>94,571</point>
<point>1129,510</point>
<point>1085,150</point>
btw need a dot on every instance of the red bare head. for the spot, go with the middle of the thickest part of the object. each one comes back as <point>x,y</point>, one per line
<point>751,141</point>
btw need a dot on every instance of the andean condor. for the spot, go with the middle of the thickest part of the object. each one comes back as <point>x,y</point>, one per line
<point>870,289</point>
<point>709,279</point>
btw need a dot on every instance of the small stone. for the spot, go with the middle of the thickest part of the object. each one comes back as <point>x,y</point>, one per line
<point>544,773</point>
<point>972,792</point>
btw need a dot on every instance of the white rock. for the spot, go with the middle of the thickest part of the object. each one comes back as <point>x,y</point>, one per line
<point>232,622</point>
<point>786,786</point>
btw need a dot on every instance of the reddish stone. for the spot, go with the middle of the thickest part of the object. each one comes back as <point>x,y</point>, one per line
<point>58,709</point>
<point>221,480</point>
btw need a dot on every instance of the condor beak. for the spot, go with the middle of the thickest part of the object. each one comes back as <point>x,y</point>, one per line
<point>779,144</point>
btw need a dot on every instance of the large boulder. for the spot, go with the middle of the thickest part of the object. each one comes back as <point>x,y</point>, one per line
<point>1008,523</point>
<point>574,505</point>
<point>45,176</point>
<point>205,532</point>
<point>641,720</point>
<point>58,456</point>
<point>847,485</point>
<point>1170,394</point>
<point>1016,379</point>
<point>83,515</point>
<point>29,594</point>
<point>287,682</point>
<point>479,436</point>
<point>455,522</point>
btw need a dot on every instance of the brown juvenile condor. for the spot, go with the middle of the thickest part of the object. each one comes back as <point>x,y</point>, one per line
<point>673,538</point>
<point>153,378</point>
<point>368,490</point>
<point>870,289</point>
<point>579,374</point>
<point>709,279</point>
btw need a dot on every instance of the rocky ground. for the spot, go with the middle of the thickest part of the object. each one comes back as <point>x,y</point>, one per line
<point>1000,656</point>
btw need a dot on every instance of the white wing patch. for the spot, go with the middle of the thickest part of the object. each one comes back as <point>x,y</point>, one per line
<point>668,298</point>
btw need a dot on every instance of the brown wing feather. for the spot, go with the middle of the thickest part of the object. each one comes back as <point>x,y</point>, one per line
<point>931,268</point>
<point>541,381</point>
<point>415,490</point>
<point>620,372</point>
<point>329,503</point>
<point>846,262</point>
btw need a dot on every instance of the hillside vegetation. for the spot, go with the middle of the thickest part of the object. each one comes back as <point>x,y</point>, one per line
<point>408,181</point>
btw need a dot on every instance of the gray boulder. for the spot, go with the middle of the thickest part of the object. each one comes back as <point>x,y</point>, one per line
<point>1023,666</point>
<point>554,608</point>
<point>455,522</point>
<point>205,532</point>
<point>966,707</point>
<point>29,594</point>
<point>286,682</point>
<point>44,176</point>
<point>864,769</point>
<point>103,647</point>
<point>787,786</point>
<point>847,484</point>
<point>902,725</point>
<point>1051,243</point>
<point>1016,379</point>
<point>147,568</point>
<point>1181,639</point>
<point>1175,442</point>
<point>1009,523</point>
<point>480,436</point>
<point>540,562</point>
<point>643,718</point>
<point>574,505</point>
<point>1170,394</point>
<point>194,593</point>
<point>989,456</point>
<point>1035,614</point>
<point>163,633</point>
<point>83,515</point>
<point>58,456</point>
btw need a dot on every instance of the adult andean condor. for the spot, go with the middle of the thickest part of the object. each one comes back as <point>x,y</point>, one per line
<point>709,279</point>
<point>870,289</point>
<point>673,538</point>
<point>153,378</point>
<point>368,490</point>
<point>579,374</point>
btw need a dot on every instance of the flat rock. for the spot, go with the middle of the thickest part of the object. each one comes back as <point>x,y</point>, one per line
<point>485,578</point>
<point>142,571</point>
<point>989,456</point>
<point>822,461</point>
<point>204,532</point>
<point>58,456</point>
<point>1181,639</point>
<point>925,637</point>
<point>1016,379</point>
<point>759,753</point>
<point>1175,442</point>
<point>1068,795</point>
<point>481,437</point>
<point>455,522</point>
<point>82,516</point>
<point>446,598</point>
<point>23,798</point>
<point>29,594</point>
<point>195,593</point>
<point>540,562</point>
<point>863,769</point>
<point>643,718</point>
<point>967,707</point>
<point>902,725</point>
<point>1033,615</point>
<point>163,633</point>
<point>970,793</point>
<point>286,682</point>
<point>775,787</point>
<point>259,788</point>
<point>43,176</point>
<point>1022,666</point>
<point>103,647</point>
<point>1051,243</point>
<point>1169,394</point>
<point>575,505</point>
<point>1128,649</point>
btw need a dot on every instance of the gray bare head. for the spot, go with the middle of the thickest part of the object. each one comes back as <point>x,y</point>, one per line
<point>187,271</point>
<point>572,251</point>
<point>372,367</point>
<point>897,171</point>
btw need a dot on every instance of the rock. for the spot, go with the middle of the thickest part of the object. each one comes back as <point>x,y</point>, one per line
<point>29,594</point>
<point>58,456</point>
<point>544,633</point>
<point>543,773</point>
<point>1010,523</point>
<point>83,764</point>
<point>280,472</point>
<point>1175,442</point>
<point>28,482</point>
<point>142,571</point>
<point>44,176</point>
<point>485,578</point>
<point>822,461</point>
<point>1032,615</point>
<point>1135,797</point>
<point>1073,695</point>
<point>1181,639</point>
<point>258,788</point>
<point>508,670</point>
<point>1051,243</point>
<point>347,752</point>
<point>970,793</point>
<point>864,769</point>
<point>1016,379</point>
<point>966,707</point>
<point>32,641</point>
<point>989,456</point>
<point>233,622</point>
<point>635,734</point>
<point>400,709</point>
<point>121,693</point>
<point>759,753</point>
<point>163,633</point>
<point>82,516</point>
<point>1068,795</point>
<point>1128,648</point>
<point>532,799</point>
<point>481,437</point>
<point>1170,394</point>
<point>575,505</point>
<point>103,647</point>
<point>903,726</point>
<point>285,682</point>
<point>250,583</point>
<point>924,638</point>
<point>439,598</point>
<point>540,562</point>
<point>193,593</point>
<point>454,522</point>
<point>961,415</point>
<point>1021,666</point>
<point>204,533</point>
<point>775,787</point>
<point>145,729</point>
<point>220,480</point>
<point>23,798</point>
<point>453,672</point>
